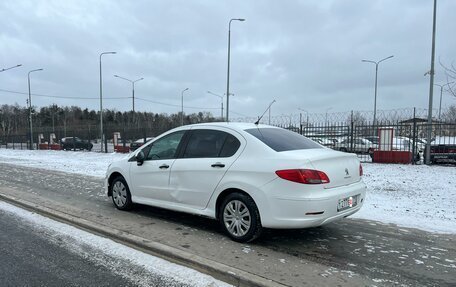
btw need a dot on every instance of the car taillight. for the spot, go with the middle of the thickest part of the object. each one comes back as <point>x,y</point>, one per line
<point>360,170</point>
<point>305,176</point>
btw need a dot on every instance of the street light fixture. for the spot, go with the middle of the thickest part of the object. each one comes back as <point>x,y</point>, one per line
<point>101,102</point>
<point>2,70</point>
<point>376,73</point>
<point>228,71</point>
<point>30,107</point>
<point>182,103</point>
<point>441,92</point>
<point>221,97</point>
<point>133,87</point>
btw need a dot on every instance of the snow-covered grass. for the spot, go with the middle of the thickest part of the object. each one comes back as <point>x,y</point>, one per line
<point>415,196</point>
<point>110,254</point>
<point>80,162</point>
<point>418,196</point>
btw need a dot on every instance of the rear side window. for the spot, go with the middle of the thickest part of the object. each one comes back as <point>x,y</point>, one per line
<point>211,143</point>
<point>282,140</point>
<point>230,146</point>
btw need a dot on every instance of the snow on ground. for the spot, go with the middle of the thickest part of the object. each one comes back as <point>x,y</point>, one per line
<point>417,196</point>
<point>86,163</point>
<point>105,252</point>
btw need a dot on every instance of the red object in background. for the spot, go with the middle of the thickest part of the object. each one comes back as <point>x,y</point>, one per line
<point>55,147</point>
<point>122,149</point>
<point>49,146</point>
<point>404,157</point>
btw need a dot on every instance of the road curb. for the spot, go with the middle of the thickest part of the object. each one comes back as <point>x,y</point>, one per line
<point>216,269</point>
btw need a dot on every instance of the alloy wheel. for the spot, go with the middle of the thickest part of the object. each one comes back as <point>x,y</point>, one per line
<point>119,194</point>
<point>237,218</point>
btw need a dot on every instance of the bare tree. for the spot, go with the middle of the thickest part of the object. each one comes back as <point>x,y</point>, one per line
<point>450,72</point>
<point>358,119</point>
<point>450,114</point>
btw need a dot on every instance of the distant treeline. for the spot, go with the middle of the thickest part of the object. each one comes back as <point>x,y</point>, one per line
<point>14,120</point>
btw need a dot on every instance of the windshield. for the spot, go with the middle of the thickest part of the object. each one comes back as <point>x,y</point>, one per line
<point>282,140</point>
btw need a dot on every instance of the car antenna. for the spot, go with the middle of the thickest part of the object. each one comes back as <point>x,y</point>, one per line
<point>259,119</point>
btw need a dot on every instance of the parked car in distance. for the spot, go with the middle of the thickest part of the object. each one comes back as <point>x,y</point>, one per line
<point>324,141</point>
<point>401,143</point>
<point>359,145</point>
<point>138,143</point>
<point>246,176</point>
<point>70,143</point>
<point>443,153</point>
<point>372,139</point>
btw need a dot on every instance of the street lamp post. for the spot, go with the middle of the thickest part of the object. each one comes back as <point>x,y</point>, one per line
<point>101,101</point>
<point>132,86</point>
<point>441,92</point>
<point>182,105</point>
<point>30,107</point>
<point>2,70</point>
<point>431,91</point>
<point>221,98</point>
<point>376,73</point>
<point>228,71</point>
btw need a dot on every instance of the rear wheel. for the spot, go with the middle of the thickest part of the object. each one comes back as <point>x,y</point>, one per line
<point>121,196</point>
<point>240,218</point>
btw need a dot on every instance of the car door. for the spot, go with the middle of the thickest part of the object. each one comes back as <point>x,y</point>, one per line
<point>208,154</point>
<point>151,179</point>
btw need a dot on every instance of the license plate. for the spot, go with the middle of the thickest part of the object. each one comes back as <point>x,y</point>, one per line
<point>348,202</point>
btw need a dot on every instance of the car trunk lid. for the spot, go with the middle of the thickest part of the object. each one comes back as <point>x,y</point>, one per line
<point>341,168</point>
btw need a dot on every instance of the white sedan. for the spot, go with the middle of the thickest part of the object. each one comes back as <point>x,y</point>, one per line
<point>246,176</point>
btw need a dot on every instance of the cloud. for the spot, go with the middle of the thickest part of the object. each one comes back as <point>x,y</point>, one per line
<point>300,53</point>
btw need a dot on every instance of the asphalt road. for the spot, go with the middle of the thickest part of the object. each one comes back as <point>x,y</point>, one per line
<point>350,252</point>
<point>32,256</point>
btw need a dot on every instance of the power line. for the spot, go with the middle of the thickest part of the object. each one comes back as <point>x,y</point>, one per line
<point>174,105</point>
<point>108,98</point>
<point>62,97</point>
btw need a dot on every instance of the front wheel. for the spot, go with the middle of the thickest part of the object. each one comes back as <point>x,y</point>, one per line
<point>240,218</point>
<point>120,193</point>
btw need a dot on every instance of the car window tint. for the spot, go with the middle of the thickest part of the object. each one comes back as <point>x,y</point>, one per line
<point>282,140</point>
<point>204,143</point>
<point>230,146</point>
<point>165,148</point>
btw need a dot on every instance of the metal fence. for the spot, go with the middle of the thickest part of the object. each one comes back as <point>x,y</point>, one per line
<point>349,132</point>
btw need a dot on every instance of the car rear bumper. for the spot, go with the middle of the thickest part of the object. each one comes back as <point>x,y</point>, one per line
<point>302,212</point>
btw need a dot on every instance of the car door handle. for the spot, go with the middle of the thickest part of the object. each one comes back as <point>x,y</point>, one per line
<point>218,164</point>
<point>163,166</point>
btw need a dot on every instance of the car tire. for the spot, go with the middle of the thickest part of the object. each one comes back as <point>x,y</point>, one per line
<point>120,193</point>
<point>240,218</point>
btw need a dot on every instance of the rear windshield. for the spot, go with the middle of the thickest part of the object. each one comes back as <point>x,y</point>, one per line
<point>282,140</point>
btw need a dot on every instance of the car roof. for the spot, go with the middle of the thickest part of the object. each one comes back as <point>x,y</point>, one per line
<point>234,125</point>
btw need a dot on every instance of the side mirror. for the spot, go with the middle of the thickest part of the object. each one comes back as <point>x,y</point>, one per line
<point>140,158</point>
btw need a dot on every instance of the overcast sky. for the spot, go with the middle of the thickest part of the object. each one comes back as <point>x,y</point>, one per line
<point>303,54</point>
